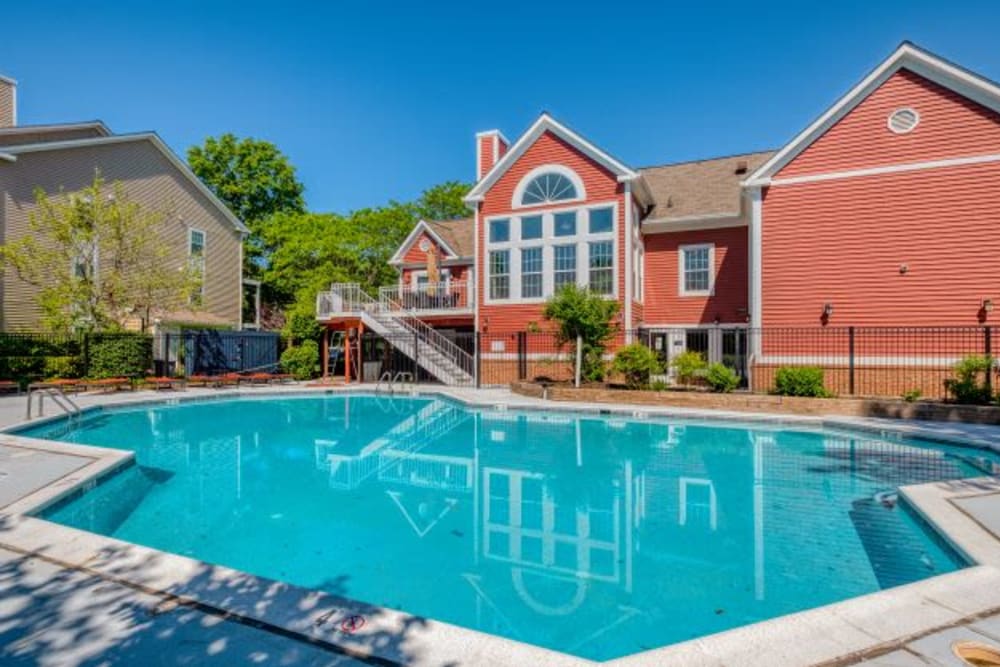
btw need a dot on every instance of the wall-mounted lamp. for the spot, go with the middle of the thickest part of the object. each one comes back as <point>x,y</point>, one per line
<point>827,310</point>
<point>903,268</point>
<point>987,305</point>
<point>717,320</point>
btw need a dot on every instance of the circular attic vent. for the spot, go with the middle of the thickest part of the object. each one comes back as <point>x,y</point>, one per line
<point>904,120</point>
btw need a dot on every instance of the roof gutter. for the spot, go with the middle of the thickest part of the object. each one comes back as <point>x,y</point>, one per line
<point>7,157</point>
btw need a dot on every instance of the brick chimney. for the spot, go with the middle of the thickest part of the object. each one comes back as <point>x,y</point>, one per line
<point>8,102</point>
<point>490,147</point>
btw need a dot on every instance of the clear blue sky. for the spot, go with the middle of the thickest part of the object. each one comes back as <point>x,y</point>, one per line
<point>374,101</point>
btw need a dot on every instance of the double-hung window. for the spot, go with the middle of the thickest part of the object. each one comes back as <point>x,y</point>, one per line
<point>196,256</point>
<point>531,273</point>
<point>696,270</point>
<point>564,266</point>
<point>602,267</point>
<point>499,274</point>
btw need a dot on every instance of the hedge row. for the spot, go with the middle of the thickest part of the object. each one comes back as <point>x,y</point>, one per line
<point>26,357</point>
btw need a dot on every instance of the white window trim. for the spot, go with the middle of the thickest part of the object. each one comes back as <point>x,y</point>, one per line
<point>574,178</point>
<point>204,258</point>
<point>682,251</point>
<point>548,240</point>
<point>488,285</point>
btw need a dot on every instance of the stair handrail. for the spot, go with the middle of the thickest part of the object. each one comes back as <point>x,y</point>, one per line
<point>360,301</point>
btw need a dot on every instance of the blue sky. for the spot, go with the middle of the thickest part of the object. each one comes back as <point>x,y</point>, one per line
<point>376,101</point>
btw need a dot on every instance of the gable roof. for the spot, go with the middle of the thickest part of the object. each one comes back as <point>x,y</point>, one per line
<point>456,237</point>
<point>546,123</point>
<point>907,56</point>
<point>700,189</point>
<point>459,234</point>
<point>152,138</point>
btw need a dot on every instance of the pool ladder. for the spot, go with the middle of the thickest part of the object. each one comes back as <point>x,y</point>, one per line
<point>388,381</point>
<point>57,396</point>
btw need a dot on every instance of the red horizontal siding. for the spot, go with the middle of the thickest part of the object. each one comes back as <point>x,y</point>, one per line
<point>601,186</point>
<point>950,126</point>
<point>843,242</point>
<point>663,303</point>
<point>414,254</point>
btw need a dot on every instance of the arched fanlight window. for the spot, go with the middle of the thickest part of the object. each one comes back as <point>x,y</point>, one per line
<point>548,187</point>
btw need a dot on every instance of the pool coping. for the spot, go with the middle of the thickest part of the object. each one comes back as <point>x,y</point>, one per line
<point>838,633</point>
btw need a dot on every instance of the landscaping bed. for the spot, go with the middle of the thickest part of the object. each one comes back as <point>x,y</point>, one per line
<point>747,402</point>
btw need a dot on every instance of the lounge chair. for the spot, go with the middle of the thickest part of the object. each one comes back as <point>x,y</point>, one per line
<point>109,384</point>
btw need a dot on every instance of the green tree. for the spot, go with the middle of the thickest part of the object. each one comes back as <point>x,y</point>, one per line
<point>98,260</point>
<point>254,179</point>
<point>444,201</point>
<point>580,312</point>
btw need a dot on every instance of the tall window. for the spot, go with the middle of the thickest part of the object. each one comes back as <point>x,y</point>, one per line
<point>196,255</point>
<point>547,188</point>
<point>500,274</point>
<point>564,265</point>
<point>531,273</point>
<point>602,267</point>
<point>696,269</point>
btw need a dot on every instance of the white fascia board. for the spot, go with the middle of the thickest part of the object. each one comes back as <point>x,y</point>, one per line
<point>546,123</point>
<point>907,56</point>
<point>151,137</point>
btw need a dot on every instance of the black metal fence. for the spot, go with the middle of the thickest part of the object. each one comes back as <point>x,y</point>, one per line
<point>856,361</point>
<point>28,357</point>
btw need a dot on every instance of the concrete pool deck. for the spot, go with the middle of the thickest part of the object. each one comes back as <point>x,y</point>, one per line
<point>71,597</point>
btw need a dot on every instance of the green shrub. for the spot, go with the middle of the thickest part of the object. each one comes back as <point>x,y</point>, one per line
<point>120,355</point>
<point>636,362</point>
<point>63,367</point>
<point>658,385</point>
<point>301,361</point>
<point>689,366</point>
<point>721,378</point>
<point>969,385</point>
<point>912,395</point>
<point>800,381</point>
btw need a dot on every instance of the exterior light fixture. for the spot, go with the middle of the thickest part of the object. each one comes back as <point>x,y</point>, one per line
<point>827,309</point>
<point>987,305</point>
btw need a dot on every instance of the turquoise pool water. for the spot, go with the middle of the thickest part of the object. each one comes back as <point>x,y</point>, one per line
<point>595,535</point>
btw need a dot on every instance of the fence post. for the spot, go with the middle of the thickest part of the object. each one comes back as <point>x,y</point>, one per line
<point>850,360</point>
<point>479,359</point>
<point>86,355</point>
<point>522,355</point>
<point>988,350</point>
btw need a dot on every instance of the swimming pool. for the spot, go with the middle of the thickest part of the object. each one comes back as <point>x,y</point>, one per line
<point>595,535</point>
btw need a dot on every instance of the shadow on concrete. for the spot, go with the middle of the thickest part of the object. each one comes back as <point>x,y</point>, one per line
<point>51,615</point>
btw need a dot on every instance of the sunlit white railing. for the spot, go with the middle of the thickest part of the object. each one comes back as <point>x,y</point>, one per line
<point>453,295</point>
<point>401,327</point>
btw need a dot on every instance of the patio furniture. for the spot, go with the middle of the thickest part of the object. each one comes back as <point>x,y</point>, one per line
<point>160,383</point>
<point>109,384</point>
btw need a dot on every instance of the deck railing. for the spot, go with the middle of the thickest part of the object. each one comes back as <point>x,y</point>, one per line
<point>453,295</point>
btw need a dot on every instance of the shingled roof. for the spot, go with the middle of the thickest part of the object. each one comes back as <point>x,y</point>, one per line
<point>458,234</point>
<point>703,188</point>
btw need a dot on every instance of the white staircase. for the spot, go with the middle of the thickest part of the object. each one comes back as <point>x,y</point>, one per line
<point>437,355</point>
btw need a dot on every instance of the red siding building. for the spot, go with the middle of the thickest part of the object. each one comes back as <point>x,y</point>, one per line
<point>884,212</point>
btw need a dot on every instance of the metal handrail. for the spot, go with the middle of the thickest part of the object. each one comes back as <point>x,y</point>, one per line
<point>58,396</point>
<point>428,296</point>
<point>353,299</point>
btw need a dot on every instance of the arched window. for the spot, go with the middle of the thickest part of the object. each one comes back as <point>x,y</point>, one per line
<point>548,187</point>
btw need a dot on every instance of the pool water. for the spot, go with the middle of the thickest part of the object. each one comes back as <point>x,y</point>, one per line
<point>599,536</point>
